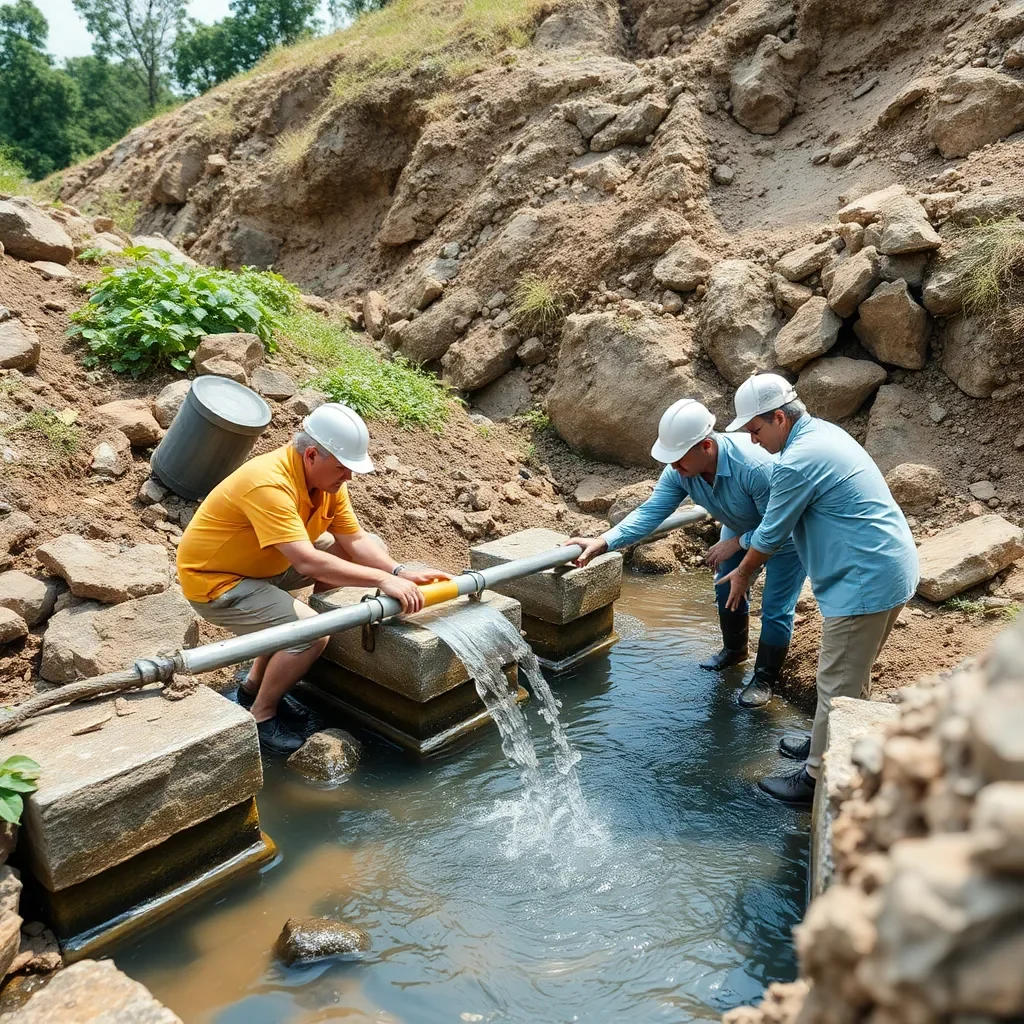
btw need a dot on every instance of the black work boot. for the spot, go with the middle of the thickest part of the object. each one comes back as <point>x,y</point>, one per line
<point>767,667</point>
<point>791,787</point>
<point>276,736</point>
<point>289,710</point>
<point>735,634</point>
<point>796,746</point>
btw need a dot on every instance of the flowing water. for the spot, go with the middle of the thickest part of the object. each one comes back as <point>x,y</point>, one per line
<point>622,868</point>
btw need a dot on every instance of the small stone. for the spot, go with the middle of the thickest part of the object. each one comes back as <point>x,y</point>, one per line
<point>165,406</point>
<point>327,756</point>
<point>864,88</point>
<point>33,599</point>
<point>12,626</point>
<point>723,174</point>
<point>983,490</point>
<point>936,413</point>
<point>19,346</point>
<point>531,352</point>
<point>151,492</point>
<point>111,458</point>
<point>52,271</point>
<point>134,418</point>
<point>304,939</point>
<point>273,384</point>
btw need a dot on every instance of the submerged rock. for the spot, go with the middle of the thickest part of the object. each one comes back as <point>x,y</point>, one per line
<point>327,756</point>
<point>304,939</point>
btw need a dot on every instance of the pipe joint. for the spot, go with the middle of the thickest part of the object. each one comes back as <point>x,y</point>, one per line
<point>478,581</point>
<point>155,670</point>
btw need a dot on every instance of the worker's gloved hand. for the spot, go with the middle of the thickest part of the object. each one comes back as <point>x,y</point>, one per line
<point>404,591</point>
<point>721,551</point>
<point>592,547</point>
<point>421,576</point>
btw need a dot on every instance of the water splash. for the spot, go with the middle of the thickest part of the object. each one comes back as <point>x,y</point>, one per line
<point>550,814</point>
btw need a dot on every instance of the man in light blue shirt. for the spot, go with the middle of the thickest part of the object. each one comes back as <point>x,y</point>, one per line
<point>729,477</point>
<point>852,538</point>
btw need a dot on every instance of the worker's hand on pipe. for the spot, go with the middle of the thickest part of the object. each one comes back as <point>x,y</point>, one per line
<point>421,576</point>
<point>404,591</point>
<point>722,551</point>
<point>739,584</point>
<point>592,547</point>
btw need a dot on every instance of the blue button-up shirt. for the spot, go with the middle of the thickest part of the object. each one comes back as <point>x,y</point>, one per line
<point>737,497</point>
<point>850,534</point>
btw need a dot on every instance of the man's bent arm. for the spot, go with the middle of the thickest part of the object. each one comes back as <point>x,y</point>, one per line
<point>362,549</point>
<point>668,494</point>
<point>328,568</point>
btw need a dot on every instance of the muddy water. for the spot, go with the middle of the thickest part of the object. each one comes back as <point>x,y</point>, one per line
<point>679,907</point>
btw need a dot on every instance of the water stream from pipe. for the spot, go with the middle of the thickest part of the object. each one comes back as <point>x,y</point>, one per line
<point>550,811</point>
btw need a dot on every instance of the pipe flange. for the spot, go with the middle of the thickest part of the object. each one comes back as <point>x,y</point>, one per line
<point>479,583</point>
<point>369,630</point>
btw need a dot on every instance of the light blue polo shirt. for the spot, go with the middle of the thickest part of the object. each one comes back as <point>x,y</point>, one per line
<point>852,537</point>
<point>737,498</point>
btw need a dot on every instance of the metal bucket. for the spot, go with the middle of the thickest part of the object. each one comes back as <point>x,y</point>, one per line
<point>211,436</point>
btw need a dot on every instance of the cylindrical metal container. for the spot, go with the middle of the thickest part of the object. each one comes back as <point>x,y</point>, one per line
<point>211,436</point>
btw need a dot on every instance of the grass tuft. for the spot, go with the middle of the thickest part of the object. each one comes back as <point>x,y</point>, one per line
<point>991,257</point>
<point>394,390</point>
<point>964,605</point>
<point>56,432</point>
<point>293,145</point>
<point>539,303</point>
<point>535,419</point>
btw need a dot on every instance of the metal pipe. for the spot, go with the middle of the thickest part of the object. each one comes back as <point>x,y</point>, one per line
<point>223,653</point>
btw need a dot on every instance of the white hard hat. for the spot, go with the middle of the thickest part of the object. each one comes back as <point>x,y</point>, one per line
<point>683,424</point>
<point>759,394</point>
<point>343,433</point>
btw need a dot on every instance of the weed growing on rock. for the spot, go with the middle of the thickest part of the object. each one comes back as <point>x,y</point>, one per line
<point>964,605</point>
<point>55,431</point>
<point>992,258</point>
<point>535,419</point>
<point>538,303</point>
<point>18,775</point>
<point>153,311</point>
<point>394,390</point>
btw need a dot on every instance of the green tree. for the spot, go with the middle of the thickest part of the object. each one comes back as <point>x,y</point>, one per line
<point>139,33</point>
<point>39,104</point>
<point>207,54</point>
<point>347,10</point>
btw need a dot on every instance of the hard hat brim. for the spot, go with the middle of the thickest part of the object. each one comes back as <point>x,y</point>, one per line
<point>666,455</point>
<point>739,423</point>
<point>363,465</point>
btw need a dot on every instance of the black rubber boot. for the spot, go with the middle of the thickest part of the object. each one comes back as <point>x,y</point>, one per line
<point>767,667</point>
<point>796,746</point>
<point>735,636</point>
<point>791,788</point>
<point>289,710</point>
<point>276,736</point>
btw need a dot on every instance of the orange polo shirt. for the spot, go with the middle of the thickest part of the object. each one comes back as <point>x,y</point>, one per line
<point>263,503</point>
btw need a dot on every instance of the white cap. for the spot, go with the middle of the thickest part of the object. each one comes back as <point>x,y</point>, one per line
<point>759,394</point>
<point>683,424</point>
<point>341,431</point>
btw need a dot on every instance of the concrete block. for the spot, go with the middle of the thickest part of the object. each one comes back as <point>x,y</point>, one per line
<point>407,657</point>
<point>107,795</point>
<point>558,595</point>
<point>848,720</point>
<point>554,644</point>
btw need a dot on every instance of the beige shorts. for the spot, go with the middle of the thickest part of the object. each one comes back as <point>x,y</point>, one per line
<point>254,604</point>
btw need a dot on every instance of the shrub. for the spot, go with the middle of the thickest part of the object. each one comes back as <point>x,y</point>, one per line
<point>393,390</point>
<point>18,775</point>
<point>538,303</point>
<point>153,311</point>
<point>13,177</point>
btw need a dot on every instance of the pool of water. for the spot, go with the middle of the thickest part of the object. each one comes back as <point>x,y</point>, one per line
<point>675,904</point>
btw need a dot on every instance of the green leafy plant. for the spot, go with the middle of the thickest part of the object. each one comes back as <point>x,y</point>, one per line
<point>538,303</point>
<point>351,372</point>
<point>963,604</point>
<point>55,430</point>
<point>18,775</point>
<point>535,419</point>
<point>153,311</point>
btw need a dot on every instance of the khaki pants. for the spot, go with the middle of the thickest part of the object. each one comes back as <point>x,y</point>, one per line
<point>254,604</point>
<point>850,644</point>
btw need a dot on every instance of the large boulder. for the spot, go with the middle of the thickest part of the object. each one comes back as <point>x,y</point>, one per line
<point>430,335</point>
<point>105,571</point>
<point>967,554</point>
<point>89,639</point>
<point>134,418</point>
<point>893,327</point>
<point>166,404</point>
<point>91,991</point>
<point>244,350</point>
<point>811,333</point>
<point>898,424</point>
<point>900,221</point>
<point>506,397</point>
<point>915,487</point>
<point>179,172</point>
<point>739,321</point>
<point>763,92</point>
<point>851,280</point>
<point>160,244</point>
<point>972,356</point>
<point>33,599</point>
<point>683,267</point>
<point>27,233</point>
<point>19,346</point>
<point>615,378</point>
<point>973,107</point>
<point>250,246</point>
<point>482,356</point>
<point>837,387</point>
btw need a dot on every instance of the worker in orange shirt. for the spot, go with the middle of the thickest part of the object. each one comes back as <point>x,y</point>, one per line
<point>281,522</point>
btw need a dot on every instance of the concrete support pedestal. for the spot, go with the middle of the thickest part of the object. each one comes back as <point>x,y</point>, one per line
<point>138,812</point>
<point>567,612</point>
<point>399,678</point>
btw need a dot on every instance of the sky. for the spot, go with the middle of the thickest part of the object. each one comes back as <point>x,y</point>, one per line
<point>68,37</point>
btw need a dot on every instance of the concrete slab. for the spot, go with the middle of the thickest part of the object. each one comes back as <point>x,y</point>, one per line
<point>559,595</point>
<point>849,719</point>
<point>107,795</point>
<point>407,657</point>
<point>554,644</point>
